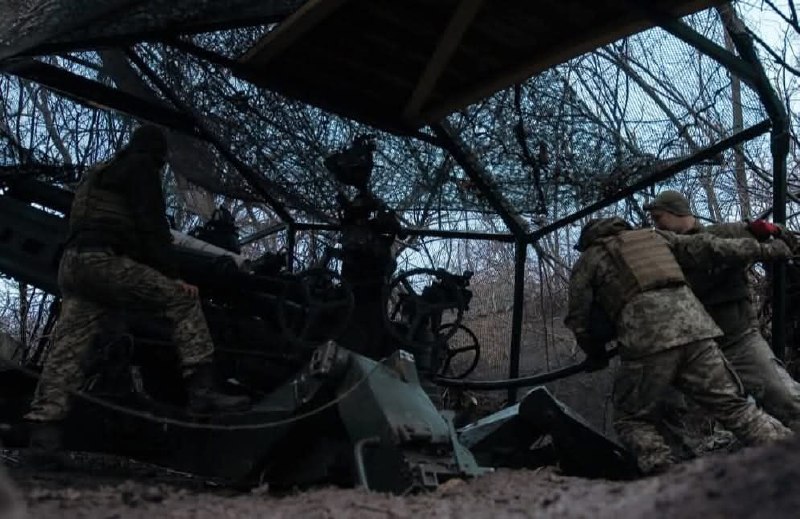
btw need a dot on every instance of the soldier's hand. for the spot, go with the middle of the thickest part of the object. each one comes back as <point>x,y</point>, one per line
<point>775,249</point>
<point>596,355</point>
<point>763,229</point>
<point>595,362</point>
<point>188,288</point>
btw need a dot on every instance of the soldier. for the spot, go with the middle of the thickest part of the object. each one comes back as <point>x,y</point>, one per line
<point>724,291</point>
<point>665,336</point>
<point>118,256</point>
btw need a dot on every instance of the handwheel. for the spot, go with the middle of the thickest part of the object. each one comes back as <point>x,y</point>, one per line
<point>458,348</point>
<point>411,304</point>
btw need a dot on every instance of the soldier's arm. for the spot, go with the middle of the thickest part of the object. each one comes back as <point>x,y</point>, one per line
<point>706,249</point>
<point>730,230</point>
<point>146,196</point>
<point>583,308</point>
<point>581,297</point>
<point>760,230</point>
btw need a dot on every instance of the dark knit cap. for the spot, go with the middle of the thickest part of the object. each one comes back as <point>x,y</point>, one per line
<point>149,138</point>
<point>671,201</point>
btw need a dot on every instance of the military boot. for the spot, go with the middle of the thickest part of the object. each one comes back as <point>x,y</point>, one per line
<point>205,397</point>
<point>44,446</point>
<point>654,465</point>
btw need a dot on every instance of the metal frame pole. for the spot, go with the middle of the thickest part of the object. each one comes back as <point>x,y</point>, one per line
<point>520,256</point>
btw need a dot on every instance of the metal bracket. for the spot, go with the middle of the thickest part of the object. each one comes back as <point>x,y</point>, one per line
<point>358,451</point>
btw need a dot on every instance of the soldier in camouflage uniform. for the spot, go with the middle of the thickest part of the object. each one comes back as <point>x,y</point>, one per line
<point>118,257</point>
<point>665,335</point>
<point>723,290</point>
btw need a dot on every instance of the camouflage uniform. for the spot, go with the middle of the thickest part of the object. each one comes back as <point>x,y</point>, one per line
<point>666,339</point>
<point>93,285</point>
<point>724,291</point>
<point>118,256</point>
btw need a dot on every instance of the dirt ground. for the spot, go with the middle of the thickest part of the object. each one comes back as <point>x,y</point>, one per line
<point>751,483</point>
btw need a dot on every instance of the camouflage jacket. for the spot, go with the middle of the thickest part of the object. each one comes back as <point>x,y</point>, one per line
<point>134,175</point>
<point>723,288</point>
<point>657,319</point>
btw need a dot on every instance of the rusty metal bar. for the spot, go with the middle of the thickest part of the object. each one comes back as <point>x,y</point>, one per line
<point>480,177</point>
<point>94,94</point>
<point>658,176</point>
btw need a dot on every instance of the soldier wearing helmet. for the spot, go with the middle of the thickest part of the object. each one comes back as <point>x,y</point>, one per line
<point>724,291</point>
<point>666,337</point>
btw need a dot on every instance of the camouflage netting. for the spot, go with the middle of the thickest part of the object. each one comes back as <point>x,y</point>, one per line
<point>565,138</point>
<point>27,24</point>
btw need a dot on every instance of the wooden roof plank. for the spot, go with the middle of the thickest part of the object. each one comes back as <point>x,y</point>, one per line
<point>464,14</point>
<point>380,46</point>
<point>558,52</point>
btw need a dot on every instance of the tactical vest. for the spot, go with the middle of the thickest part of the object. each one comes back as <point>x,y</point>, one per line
<point>644,262</point>
<point>98,209</point>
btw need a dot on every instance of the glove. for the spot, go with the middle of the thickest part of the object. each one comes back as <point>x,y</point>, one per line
<point>595,362</point>
<point>596,356</point>
<point>775,249</point>
<point>763,229</point>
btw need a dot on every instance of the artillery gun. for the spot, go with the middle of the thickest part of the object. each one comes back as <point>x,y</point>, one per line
<point>340,366</point>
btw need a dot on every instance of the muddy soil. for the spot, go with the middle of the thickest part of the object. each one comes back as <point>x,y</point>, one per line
<point>751,483</point>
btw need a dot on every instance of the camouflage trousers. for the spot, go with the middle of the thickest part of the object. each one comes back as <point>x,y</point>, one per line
<point>701,372</point>
<point>764,377</point>
<point>93,286</point>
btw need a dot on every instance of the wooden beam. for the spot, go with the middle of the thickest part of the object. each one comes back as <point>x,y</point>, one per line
<point>448,43</point>
<point>291,30</point>
<point>481,177</point>
<point>560,52</point>
<point>94,94</point>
